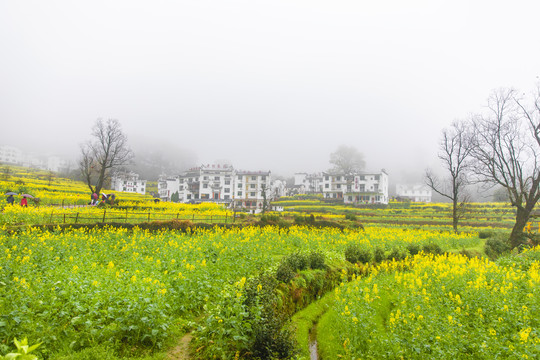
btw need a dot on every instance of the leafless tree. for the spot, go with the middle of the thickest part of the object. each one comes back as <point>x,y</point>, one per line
<point>455,148</point>
<point>506,149</point>
<point>108,150</point>
<point>347,160</point>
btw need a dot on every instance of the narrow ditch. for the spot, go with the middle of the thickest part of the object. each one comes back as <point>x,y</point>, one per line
<point>313,351</point>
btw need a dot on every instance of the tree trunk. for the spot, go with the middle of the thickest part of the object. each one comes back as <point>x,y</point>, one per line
<point>516,236</point>
<point>455,214</point>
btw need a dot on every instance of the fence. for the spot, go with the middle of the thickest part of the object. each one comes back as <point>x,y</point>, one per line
<point>133,217</point>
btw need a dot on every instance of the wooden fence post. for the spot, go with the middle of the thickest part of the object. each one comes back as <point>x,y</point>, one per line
<point>149,216</point>
<point>193,218</point>
<point>125,221</point>
<point>62,203</point>
<point>76,217</point>
<point>210,219</point>
<point>177,215</point>
<point>104,214</point>
<point>64,218</point>
<point>50,220</point>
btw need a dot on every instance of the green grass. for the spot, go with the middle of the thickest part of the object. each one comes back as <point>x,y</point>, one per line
<point>304,320</point>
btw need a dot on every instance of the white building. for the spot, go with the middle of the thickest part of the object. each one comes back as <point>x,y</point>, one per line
<point>305,183</point>
<point>251,188</point>
<point>11,155</point>
<point>167,186</point>
<point>361,188</point>
<point>207,183</point>
<point>219,183</point>
<point>416,192</point>
<point>128,182</point>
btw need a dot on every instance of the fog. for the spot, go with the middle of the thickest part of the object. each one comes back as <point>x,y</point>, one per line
<point>267,85</point>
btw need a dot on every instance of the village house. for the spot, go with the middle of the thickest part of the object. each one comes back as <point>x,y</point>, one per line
<point>128,182</point>
<point>360,188</point>
<point>219,183</point>
<point>415,192</point>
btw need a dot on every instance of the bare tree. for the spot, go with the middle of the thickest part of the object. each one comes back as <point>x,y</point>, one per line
<point>507,152</point>
<point>107,151</point>
<point>455,148</point>
<point>347,160</point>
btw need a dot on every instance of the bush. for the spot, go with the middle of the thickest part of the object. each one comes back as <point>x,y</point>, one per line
<point>413,248</point>
<point>397,253</point>
<point>285,273</point>
<point>297,261</point>
<point>470,253</point>
<point>496,246</point>
<point>316,260</point>
<point>355,254</point>
<point>485,234</point>
<point>351,217</point>
<point>432,248</point>
<point>379,254</point>
<point>270,219</point>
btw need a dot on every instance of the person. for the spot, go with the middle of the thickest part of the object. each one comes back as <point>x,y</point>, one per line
<point>24,202</point>
<point>112,197</point>
<point>10,199</point>
<point>94,199</point>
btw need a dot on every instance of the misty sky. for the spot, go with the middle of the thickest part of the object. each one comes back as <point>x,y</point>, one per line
<point>269,85</point>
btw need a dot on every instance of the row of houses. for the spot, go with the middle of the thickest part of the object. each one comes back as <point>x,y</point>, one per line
<point>358,188</point>
<point>221,183</point>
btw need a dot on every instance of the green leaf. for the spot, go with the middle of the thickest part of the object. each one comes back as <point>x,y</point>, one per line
<point>34,347</point>
<point>11,356</point>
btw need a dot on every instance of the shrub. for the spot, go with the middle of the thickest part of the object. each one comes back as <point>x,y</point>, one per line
<point>432,248</point>
<point>270,219</point>
<point>397,253</point>
<point>413,248</point>
<point>378,254</point>
<point>496,246</point>
<point>316,260</point>
<point>355,254</point>
<point>351,217</point>
<point>485,234</point>
<point>470,253</point>
<point>285,273</point>
<point>298,261</point>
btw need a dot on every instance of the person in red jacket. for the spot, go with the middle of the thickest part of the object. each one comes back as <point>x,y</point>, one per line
<point>24,202</point>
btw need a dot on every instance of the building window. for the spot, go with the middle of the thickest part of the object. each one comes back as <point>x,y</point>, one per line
<point>205,178</point>
<point>377,177</point>
<point>253,178</point>
<point>227,190</point>
<point>189,196</point>
<point>326,186</point>
<point>205,186</point>
<point>240,177</point>
<point>338,178</point>
<point>263,177</point>
<point>251,194</point>
<point>216,178</point>
<point>226,197</point>
<point>338,186</point>
<point>252,186</point>
<point>362,177</point>
<point>239,193</point>
<point>227,182</point>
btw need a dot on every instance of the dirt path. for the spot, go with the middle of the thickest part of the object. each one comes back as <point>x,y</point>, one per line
<point>181,351</point>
